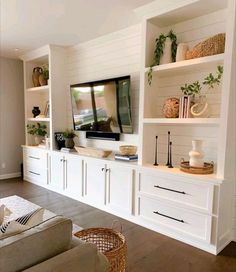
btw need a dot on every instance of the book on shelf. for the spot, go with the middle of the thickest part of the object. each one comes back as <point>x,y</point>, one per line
<point>67,150</point>
<point>126,157</point>
<point>184,106</point>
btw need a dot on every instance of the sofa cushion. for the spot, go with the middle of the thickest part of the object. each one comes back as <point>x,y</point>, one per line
<point>82,258</point>
<point>35,245</point>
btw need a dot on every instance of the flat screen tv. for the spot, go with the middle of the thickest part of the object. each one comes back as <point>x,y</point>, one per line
<point>102,106</point>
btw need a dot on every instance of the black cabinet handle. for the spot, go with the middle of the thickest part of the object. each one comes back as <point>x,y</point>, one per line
<point>167,189</point>
<point>103,168</point>
<point>32,157</point>
<point>164,215</point>
<point>34,173</point>
<point>107,170</point>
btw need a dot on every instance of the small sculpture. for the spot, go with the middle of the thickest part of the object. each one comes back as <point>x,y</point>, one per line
<point>171,108</point>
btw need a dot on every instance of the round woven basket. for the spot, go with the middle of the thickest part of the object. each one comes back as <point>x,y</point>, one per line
<point>110,242</point>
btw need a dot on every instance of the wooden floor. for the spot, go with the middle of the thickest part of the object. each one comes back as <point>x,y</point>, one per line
<point>148,251</point>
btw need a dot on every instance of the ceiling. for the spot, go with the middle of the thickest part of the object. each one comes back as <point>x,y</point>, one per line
<point>29,24</point>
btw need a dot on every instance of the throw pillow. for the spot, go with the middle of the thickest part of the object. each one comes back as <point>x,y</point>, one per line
<point>2,214</point>
<point>22,223</point>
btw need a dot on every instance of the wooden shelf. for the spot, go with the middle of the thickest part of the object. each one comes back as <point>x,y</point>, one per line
<point>39,119</point>
<point>44,88</point>
<point>187,66</point>
<point>182,121</point>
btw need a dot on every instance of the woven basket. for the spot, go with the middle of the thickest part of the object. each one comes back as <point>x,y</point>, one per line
<point>212,46</point>
<point>110,242</point>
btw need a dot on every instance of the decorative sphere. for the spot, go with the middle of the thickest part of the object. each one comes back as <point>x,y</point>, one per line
<point>171,108</point>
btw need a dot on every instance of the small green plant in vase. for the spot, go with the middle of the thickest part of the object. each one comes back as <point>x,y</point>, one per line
<point>191,89</point>
<point>38,130</point>
<point>69,136</point>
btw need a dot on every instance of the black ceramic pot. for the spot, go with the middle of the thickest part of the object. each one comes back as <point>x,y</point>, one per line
<point>36,111</point>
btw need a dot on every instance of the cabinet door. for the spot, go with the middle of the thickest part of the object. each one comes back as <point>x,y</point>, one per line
<point>73,175</point>
<point>119,188</point>
<point>94,182</point>
<point>57,170</point>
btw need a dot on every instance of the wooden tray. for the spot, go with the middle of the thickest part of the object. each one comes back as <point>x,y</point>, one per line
<point>208,168</point>
<point>94,152</point>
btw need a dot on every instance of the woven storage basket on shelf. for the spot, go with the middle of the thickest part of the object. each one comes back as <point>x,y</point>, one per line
<point>110,242</point>
<point>212,46</point>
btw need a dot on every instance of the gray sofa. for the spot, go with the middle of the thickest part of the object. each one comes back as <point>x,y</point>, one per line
<point>49,247</point>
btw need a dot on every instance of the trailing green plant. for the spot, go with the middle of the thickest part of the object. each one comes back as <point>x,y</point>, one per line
<point>159,50</point>
<point>69,134</point>
<point>38,129</point>
<point>191,89</point>
<point>211,80</point>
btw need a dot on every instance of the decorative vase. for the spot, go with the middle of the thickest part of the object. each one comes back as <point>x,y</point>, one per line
<point>38,139</point>
<point>171,108</point>
<point>36,111</point>
<point>196,154</point>
<point>37,71</point>
<point>181,51</point>
<point>42,80</point>
<point>201,108</point>
<point>166,57</point>
<point>69,143</point>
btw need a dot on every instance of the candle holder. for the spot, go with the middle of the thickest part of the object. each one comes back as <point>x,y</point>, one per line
<point>168,150</point>
<point>170,164</point>
<point>155,162</point>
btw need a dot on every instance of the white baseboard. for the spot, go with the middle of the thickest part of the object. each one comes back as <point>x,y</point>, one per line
<point>12,175</point>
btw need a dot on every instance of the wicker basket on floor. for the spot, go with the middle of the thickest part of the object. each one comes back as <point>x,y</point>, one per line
<point>110,242</point>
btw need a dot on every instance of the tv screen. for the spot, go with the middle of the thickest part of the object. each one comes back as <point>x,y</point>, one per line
<point>102,106</point>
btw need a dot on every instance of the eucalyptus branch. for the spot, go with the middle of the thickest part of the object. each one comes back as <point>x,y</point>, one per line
<point>211,80</point>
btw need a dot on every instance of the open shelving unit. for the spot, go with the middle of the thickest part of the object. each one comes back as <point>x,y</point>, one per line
<point>42,96</point>
<point>192,24</point>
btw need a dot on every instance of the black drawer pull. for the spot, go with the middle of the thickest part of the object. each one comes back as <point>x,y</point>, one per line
<point>161,214</point>
<point>32,157</point>
<point>34,173</point>
<point>167,189</point>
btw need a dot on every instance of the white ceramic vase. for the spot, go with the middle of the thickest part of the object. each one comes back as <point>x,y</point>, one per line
<point>166,57</point>
<point>181,51</point>
<point>38,139</point>
<point>196,154</point>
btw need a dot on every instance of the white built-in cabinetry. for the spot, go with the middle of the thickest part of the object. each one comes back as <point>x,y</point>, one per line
<point>196,209</point>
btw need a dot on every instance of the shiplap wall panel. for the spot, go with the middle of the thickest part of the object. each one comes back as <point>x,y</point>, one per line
<point>113,55</point>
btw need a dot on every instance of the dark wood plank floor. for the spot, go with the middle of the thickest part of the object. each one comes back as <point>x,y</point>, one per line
<point>148,251</point>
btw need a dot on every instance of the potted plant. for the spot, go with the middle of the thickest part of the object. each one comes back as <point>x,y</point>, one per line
<point>38,130</point>
<point>69,136</point>
<point>165,51</point>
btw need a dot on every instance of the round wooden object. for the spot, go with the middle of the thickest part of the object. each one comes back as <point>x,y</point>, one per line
<point>171,108</point>
<point>208,168</point>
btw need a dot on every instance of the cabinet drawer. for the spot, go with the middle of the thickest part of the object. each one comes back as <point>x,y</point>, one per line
<point>36,174</point>
<point>192,223</point>
<point>195,194</point>
<point>35,157</point>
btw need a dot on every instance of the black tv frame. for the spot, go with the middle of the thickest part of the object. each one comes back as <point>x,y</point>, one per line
<point>100,135</point>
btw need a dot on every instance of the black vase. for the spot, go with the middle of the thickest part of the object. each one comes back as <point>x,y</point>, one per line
<point>36,111</point>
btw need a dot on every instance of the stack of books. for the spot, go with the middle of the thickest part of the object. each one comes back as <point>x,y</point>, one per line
<point>126,157</point>
<point>185,104</point>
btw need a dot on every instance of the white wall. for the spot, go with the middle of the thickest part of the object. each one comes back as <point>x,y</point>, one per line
<point>113,55</point>
<point>11,116</point>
